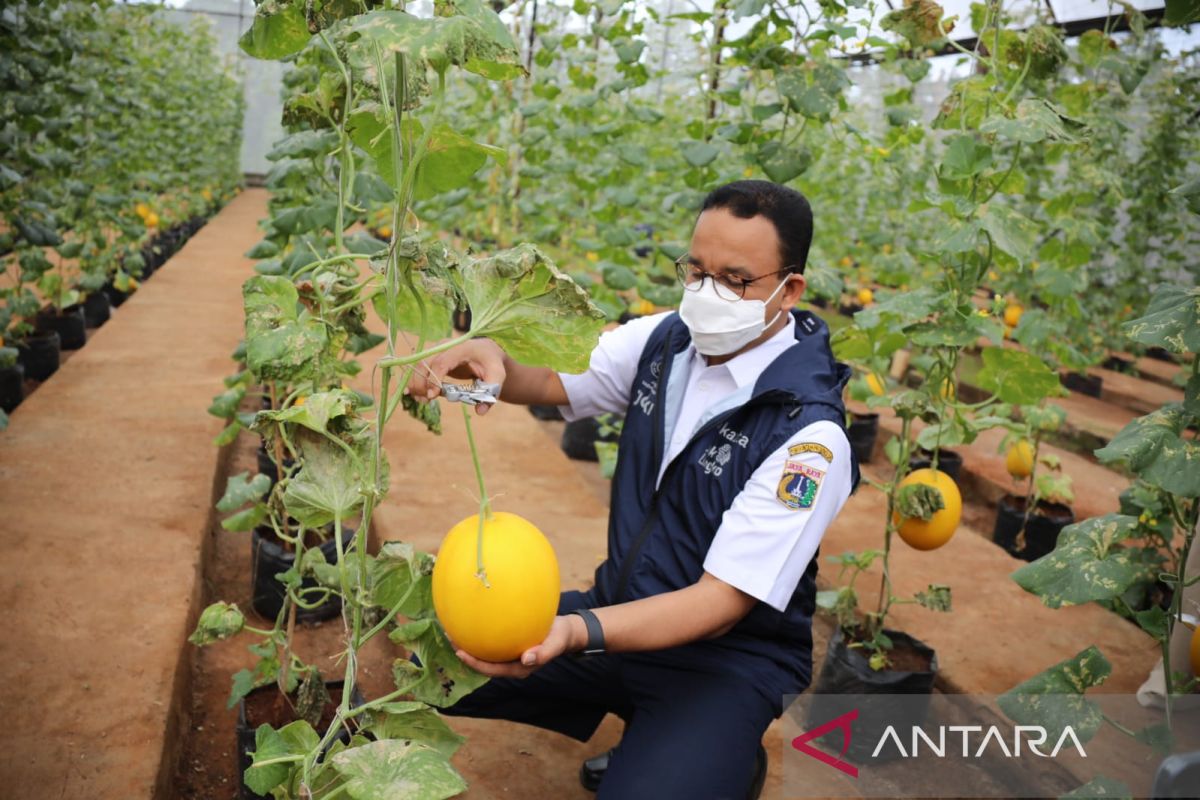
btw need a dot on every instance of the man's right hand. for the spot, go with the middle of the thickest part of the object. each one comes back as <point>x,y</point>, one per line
<point>477,358</point>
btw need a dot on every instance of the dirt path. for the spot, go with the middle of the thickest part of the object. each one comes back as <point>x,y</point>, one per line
<point>106,489</point>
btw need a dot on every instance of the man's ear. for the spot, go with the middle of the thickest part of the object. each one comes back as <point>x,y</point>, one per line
<point>794,290</point>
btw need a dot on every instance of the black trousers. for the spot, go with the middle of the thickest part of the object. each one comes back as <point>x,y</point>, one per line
<point>691,735</point>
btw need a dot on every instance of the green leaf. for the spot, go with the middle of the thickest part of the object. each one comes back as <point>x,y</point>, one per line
<point>1012,232</point>
<point>1016,376</point>
<point>617,277</point>
<point>397,770</point>
<point>965,156</point>
<point>1036,120</point>
<point>401,574</point>
<point>537,314</point>
<point>1099,786</point>
<point>225,405</point>
<point>1153,447</point>
<point>279,29</point>
<point>302,144</point>
<point>330,482</point>
<point>1054,698</point>
<point>246,520</point>
<point>268,744</point>
<point>414,721</point>
<point>218,621</point>
<point>241,489</point>
<point>474,39</point>
<point>783,164</point>
<point>1181,12</point>
<point>1088,563</point>
<point>442,679</point>
<point>283,341</point>
<point>315,412</point>
<point>699,154</point>
<point>1172,320</point>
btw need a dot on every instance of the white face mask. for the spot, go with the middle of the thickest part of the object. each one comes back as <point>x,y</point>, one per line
<point>720,327</point>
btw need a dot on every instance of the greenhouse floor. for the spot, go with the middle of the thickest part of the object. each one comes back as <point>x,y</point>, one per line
<point>106,699</point>
<point>100,592</point>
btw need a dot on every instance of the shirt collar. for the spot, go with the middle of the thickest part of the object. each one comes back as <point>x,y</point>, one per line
<point>745,367</point>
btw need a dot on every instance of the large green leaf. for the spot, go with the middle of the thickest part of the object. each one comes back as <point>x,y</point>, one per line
<point>279,29</point>
<point>1172,320</point>
<point>1054,699</point>
<point>541,317</point>
<point>450,158</point>
<point>414,721</point>
<point>474,38</point>
<point>296,738</point>
<point>401,574</point>
<point>283,341</point>
<point>397,770</point>
<point>965,156</point>
<point>442,679</point>
<point>1011,231</point>
<point>1153,446</point>
<point>1088,563</point>
<point>316,411</point>
<point>782,164</point>
<point>1036,119</point>
<point>1017,377</point>
<point>330,482</point>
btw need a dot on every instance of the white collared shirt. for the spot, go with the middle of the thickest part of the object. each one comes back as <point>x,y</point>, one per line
<point>763,544</point>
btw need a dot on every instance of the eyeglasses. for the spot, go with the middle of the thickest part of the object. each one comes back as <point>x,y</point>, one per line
<point>728,287</point>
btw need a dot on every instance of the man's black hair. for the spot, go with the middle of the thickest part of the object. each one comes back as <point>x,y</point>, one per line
<point>787,209</point>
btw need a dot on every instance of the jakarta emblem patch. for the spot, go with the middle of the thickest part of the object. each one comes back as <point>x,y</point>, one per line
<point>799,484</point>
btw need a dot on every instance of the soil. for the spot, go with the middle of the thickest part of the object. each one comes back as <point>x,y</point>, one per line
<point>272,707</point>
<point>903,657</point>
<point>1055,512</point>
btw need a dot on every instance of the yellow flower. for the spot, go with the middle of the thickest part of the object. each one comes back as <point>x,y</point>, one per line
<point>845,262</point>
<point>883,151</point>
<point>887,248</point>
<point>748,172</point>
<point>592,257</point>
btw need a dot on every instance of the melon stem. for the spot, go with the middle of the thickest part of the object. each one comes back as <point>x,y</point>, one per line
<point>485,507</point>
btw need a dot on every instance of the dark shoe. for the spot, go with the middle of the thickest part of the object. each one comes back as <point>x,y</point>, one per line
<point>591,772</point>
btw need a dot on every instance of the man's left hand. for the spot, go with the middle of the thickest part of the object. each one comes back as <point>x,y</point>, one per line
<point>558,641</point>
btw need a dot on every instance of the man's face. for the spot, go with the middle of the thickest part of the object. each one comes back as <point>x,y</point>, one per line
<point>745,249</point>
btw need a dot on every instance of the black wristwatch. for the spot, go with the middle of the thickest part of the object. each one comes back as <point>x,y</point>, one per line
<point>595,640</point>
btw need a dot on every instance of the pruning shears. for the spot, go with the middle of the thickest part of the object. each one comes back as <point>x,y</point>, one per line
<point>472,394</point>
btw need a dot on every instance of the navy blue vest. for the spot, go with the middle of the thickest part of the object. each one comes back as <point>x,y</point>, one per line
<point>657,540</point>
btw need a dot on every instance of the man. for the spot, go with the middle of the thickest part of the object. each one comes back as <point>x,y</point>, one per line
<point>733,461</point>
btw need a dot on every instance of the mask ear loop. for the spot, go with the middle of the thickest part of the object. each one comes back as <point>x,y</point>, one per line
<point>772,297</point>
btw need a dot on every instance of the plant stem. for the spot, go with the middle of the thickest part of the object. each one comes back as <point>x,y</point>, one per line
<point>485,506</point>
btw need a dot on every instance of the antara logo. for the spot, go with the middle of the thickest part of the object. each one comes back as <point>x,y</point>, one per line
<point>729,434</point>
<point>1033,737</point>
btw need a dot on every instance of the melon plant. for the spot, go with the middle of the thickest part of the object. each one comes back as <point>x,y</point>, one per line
<point>368,129</point>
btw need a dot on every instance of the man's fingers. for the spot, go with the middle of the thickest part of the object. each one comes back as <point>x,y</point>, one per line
<point>507,669</point>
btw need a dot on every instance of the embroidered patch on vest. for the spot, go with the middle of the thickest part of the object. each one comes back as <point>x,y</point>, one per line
<point>811,447</point>
<point>799,484</point>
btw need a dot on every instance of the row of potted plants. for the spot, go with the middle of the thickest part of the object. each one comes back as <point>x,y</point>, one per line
<point>119,129</point>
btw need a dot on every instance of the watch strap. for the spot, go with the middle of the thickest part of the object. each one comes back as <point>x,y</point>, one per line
<point>595,640</point>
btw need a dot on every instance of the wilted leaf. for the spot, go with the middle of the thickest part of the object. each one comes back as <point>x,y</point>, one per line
<point>537,314</point>
<point>241,489</point>
<point>218,621</point>
<point>397,770</point>
<point>402,574</point>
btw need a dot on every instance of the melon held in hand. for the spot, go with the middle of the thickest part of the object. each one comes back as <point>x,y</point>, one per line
<point>507,610</point>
